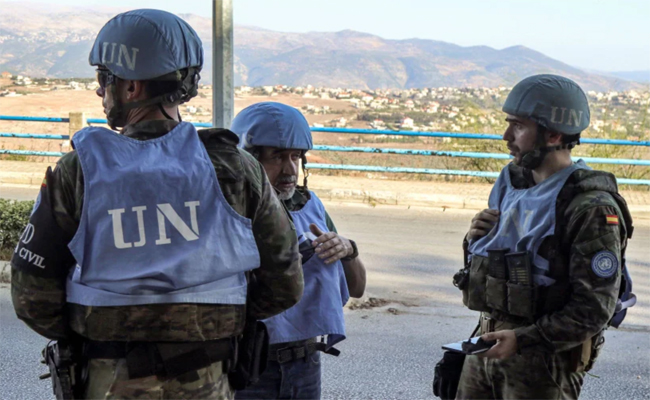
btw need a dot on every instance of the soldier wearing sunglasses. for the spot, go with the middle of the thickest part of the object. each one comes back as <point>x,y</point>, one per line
<point>155,242</point>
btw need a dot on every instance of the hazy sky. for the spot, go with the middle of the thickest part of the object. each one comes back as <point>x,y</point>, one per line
<point>606,35</point>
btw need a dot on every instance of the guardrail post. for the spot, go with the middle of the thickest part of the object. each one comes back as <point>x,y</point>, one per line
<point>77,123</point>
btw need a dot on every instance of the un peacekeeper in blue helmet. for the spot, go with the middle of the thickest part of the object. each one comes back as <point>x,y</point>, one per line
<point>556,104</point>
<point>544,262</point>
<point>279,137</point>
<point>155,244</point>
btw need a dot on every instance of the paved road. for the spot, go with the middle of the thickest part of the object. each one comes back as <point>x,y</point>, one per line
<point>391,350</point>
<point>18,192</point>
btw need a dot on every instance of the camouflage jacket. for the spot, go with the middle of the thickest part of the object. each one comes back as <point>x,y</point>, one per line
<point>39,296</point>
<point>587,301</point>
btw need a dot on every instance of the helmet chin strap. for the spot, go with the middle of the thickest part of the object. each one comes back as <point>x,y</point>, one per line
<point>534,158</point>
<point>162,110</point>
<point>186,90</point>
<point>115,116</point>
<point>305,173</point>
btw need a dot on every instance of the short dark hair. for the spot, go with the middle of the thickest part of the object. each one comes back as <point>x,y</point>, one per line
<point>158,88</point>
<point>566,139</point>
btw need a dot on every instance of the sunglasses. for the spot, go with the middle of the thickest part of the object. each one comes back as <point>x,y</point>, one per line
<point>105,78</point>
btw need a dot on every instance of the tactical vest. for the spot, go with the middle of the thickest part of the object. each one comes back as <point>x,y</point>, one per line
<point>527,217</point>
<point>507,275</point>
<point>320,310</point>
<point>155,226</point>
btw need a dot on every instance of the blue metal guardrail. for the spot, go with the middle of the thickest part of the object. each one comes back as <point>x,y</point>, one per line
<point>33,136</point>
<point>617,142</point>
<point>33,153</point>
<point>595,160</point>
<point>468,136</point>
<point>482,174</point>
<point>498,156</point>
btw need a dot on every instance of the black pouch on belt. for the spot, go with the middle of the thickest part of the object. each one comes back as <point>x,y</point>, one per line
<point>446,377</point>
<point>496,292</point>
<point>251,348</point>
<point>251,356</point>
<point>521,291</point>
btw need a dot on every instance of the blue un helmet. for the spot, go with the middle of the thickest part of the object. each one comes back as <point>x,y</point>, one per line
<point>271,124</point>
<point>556,104</point>
<point>146,45</point>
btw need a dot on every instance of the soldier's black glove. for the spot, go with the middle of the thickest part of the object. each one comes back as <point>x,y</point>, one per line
<point>447,375</point>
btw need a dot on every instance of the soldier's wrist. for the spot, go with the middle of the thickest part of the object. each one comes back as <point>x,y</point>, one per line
<point>353,253</point>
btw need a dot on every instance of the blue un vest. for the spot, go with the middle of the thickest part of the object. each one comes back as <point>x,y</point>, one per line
<point>320,310</point>
<point>155,226</point>
<point>527,216</point>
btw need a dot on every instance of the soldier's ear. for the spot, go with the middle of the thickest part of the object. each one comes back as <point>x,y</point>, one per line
<point>135,90</point>
<point>553,138</point>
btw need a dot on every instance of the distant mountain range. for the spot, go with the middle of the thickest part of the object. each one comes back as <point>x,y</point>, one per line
<point>46,40</point>
<point>636,76</point>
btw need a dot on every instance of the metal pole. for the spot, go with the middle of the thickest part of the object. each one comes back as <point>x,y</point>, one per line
<point>223,72</point>
<point>77,121</point>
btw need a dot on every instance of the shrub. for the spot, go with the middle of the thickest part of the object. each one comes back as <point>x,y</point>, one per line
<point>14,216</point>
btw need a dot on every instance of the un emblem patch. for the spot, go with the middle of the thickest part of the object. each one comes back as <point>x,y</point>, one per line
<point>604,264</point>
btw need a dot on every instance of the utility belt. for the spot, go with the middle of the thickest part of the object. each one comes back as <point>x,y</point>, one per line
<point>582,357</point>
<point>165,360</point>
<point>290,351</point>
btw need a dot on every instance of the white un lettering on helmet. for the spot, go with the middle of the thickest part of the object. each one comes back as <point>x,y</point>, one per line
<point>125,55</point>
<point>559,115</point>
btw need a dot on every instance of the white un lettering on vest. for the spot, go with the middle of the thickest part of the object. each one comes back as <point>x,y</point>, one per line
<point>559,115</point>
<point>512,216</point>
<point>522,227</point>
<point>123,54</point>
<point>164,212</point>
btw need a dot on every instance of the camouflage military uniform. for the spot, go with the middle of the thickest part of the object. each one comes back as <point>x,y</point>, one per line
<point>551,359</point>
<point>39,296</point>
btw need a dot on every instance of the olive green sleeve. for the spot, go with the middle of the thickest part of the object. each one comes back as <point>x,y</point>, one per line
<point>330,223</point>
<point>38,293</point>
<point>594,286</point>
<point>40,303</point>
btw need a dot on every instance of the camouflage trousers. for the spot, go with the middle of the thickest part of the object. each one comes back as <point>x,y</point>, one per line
<point>109,379</point>
<point>531,376</point>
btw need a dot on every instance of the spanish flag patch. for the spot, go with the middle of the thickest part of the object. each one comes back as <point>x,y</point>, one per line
<point>612,219</point>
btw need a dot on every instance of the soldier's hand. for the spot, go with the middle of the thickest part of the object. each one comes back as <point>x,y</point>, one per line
<point>482,223</point>
<point>330,247</point>
<point>506,345</point>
